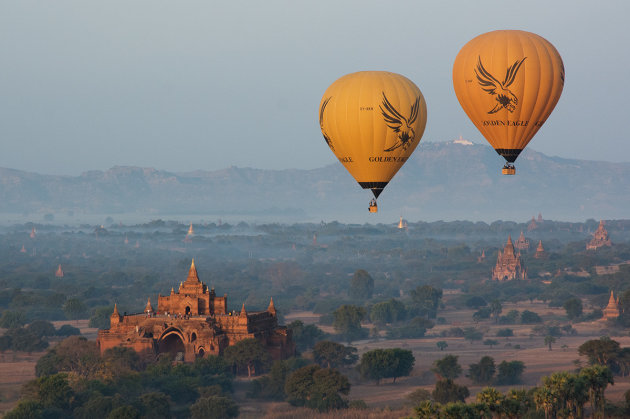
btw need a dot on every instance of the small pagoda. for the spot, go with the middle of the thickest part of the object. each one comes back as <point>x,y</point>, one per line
<point>600,238</point>
<point>540,251</point>
<point>509,264</point>
<point>59,272</point>
<point>532,225</point>
<point>521,243</point>
<point>402,224</point>
<point>612,309</point>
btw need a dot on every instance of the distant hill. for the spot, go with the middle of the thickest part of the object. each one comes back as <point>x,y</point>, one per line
<point>444,180</point>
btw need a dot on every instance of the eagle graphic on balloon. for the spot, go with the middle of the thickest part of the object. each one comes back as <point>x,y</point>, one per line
<point>399,124</point>
<point>505,98</point>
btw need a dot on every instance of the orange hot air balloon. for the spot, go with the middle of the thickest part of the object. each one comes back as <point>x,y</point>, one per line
<point>372,121</point>
<point>508,82</point>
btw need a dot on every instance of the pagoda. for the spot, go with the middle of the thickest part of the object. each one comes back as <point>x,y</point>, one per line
<point>482,257</point>
<point>600,238</point>
<point>532,225</point>
<point>540,251</point>
<point>23,249</point>
<point>521,243</point>
<point>33,233</point>
<point>540,219</point>
<point>59,272</point>
<point>402,224</point>
<point>509,264</point>
<point>612,309</point>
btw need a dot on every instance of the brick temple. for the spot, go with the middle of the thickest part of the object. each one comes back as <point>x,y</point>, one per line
<point>612,309</point>
<point>509,264</point>
<point>193,322</point>
<point>600,238</point>
<point>521,243</point>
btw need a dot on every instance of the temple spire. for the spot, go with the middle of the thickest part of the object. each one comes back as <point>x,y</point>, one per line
<point>271,309</point>
<point>115,313</point>
<point>148,308</point>
<point>192,273</point>
<point>243,311</point>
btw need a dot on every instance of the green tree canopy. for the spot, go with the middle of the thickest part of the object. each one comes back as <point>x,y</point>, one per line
<point>361,285</point>
<point>447,367</point>
<point>426,300</point>
<point>347,322</point>
<point>573,307</point>
<point>247,354</point>
<point>218,407</point>
<point>386,363</point>
<point>510,372</point>
<point>334,355</point>
<point>317,388</point>
<point>483,371</point>
<point>305,336</point>
<point>446,390</point>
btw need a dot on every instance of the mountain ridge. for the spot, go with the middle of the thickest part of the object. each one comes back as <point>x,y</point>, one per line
<point>442,180</point>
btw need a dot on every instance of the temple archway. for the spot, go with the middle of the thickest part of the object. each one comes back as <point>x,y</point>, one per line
<point>171,343</point>
<point>187,310</point>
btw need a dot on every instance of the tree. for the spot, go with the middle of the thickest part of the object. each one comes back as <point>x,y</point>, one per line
<point>361,285</point>
<point>124,412</point>
<point>26,409</point>
<point>601,351</point>
<point>492,399</point>
<point>447,367</point>
<point>418,396</point>
<point>510,372</point>
<point>101,317</point>
<point>74,309</point>
<point>490,342</point>
<point>347,322</point>
<point>305,336</point>
<point>549,340</point>
<point>426,300</point>
<point>12,319</point>
<point>155,405</point>
<point>247,353</point>
<point>573,307</point>
<point>386,363</point>
<point>447,391</point>
<point>529,317</point>
<point>496,308</point>
<point>317,388</point>
<point>218,407</point>
<point>597,378</point>
<point>54,391</point>
<point>482,372</point>
<point>388,312</point>
<point>505,333</point>
<point>41,328</point>
<point>67,330</point>
<point>334,355</point>
<point>427,409</point>
<point>441,344</point>
<point>472,334</point>
<point>476,302</point>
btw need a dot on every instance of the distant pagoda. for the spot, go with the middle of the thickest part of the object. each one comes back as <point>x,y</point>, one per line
<point>402,224</point>
<point>59,272</point>
<point>600,238</point>
<point>482,257</point>
<point>23,249</point>
<point>540,219</point>
<point>190,234</point>
<point>33,233</point>
<point>532,225</point>
<point>612,309</point>
<point>521,243</point>
<point>509,264</point>
<point>540,251</point>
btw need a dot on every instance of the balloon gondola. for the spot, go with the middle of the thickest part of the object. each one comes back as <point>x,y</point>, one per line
<point>508,82</point>
<point>372,121</point>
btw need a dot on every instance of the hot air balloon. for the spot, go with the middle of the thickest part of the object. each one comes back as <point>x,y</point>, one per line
<point>508,82</point>
<point>372,121</point>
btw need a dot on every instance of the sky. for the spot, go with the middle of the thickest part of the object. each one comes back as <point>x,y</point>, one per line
<point>188,85</point>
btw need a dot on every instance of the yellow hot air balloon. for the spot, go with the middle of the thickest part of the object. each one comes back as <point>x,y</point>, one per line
<point>508,82</point>
<point>372,121</point>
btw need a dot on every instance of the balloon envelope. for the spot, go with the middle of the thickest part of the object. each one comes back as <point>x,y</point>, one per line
<point>508,82</point>
<point>372,121</point>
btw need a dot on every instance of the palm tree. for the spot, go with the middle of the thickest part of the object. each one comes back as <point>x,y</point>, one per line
<point>597,378</point>
<point>492,399</point>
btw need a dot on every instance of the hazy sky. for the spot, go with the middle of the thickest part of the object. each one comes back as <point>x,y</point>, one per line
<point>185,85</point>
